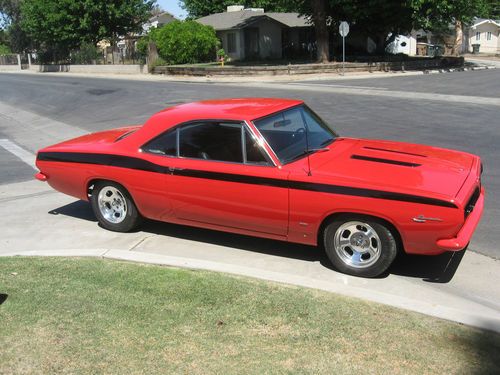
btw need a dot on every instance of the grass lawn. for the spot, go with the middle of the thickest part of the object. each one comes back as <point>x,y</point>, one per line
<point>99,316</point>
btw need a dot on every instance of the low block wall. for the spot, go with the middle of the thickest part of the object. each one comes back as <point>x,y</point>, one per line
<point>410,64</point>
<point>10,68</point>
<point>96,69</point>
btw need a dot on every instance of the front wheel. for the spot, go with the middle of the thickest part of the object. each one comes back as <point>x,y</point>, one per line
<point>113,207</point>
<point>359,245</point>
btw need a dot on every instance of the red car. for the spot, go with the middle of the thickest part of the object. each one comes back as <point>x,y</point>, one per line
<point>272,168</point>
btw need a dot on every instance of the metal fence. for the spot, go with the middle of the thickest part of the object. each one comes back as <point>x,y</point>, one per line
<point>9,59</point>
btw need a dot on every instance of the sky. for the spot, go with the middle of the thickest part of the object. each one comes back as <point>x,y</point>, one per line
<point>172,6</point>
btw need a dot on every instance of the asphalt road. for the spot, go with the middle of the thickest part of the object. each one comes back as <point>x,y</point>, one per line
<point>370,108</point>
<point>472,83</point>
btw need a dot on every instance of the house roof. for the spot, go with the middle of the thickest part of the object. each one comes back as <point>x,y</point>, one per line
<point>480,21</point>
<point>162,17</point>
<point>243,18</point>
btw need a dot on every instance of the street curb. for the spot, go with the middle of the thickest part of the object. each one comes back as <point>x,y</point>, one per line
<point>255,79</point>
<point>465,317</point>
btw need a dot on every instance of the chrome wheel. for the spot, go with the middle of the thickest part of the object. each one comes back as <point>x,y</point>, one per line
<point>112,204</point>
<point>357,244</point>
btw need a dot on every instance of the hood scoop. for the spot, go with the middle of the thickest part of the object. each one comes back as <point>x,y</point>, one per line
<point>385,161</point>
<point>393,151</point>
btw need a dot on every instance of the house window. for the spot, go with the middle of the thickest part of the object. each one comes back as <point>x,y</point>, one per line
<point>488,36</point>
<point>478,35</point>
<point>231,42</point>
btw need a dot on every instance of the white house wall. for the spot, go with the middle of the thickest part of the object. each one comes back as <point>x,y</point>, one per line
<point>486,46</point>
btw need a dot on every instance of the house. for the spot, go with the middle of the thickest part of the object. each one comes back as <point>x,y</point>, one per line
<point>406,44</point>
<point>250,34</point>
<point>159,20</point>
<point>127,44</point>
<point>486,33</point>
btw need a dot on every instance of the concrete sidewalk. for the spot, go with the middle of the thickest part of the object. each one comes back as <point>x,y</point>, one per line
<point>417,283</point>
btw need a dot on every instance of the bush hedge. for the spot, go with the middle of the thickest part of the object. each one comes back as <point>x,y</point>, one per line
<point>185,42</point>
<point>4,50</point>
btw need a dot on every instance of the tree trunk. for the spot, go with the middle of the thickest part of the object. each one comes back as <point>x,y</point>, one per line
<point>457,44</point>
<point>321,30</point>
<point>152,56</point>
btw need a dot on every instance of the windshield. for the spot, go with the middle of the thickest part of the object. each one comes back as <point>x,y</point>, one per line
<point>295,132</point>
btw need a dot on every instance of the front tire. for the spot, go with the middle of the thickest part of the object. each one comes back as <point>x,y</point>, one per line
<point>360,245</point>
<point>113,207</point>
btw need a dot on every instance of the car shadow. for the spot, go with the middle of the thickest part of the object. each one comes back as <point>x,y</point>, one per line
<point>78,209</point>
<point>3,297</point>
<point>434,269</point>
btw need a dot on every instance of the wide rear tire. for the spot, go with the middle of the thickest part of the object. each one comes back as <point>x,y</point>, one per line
<point>114,208</point>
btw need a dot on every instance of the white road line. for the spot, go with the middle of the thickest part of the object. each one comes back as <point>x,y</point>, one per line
<point>21,153</point>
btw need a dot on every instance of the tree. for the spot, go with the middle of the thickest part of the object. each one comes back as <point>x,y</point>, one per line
<point>319,18</point>
<point>201,8</point>
<point>4,50</point>
<point>104,19</point>
<point>440,13</point>
<point>185,42</point>
<point>60,26</point>
<point>10,18</point>
<point>494,9</point>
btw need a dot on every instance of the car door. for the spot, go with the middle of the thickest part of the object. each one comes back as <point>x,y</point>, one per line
<point>223,177</point>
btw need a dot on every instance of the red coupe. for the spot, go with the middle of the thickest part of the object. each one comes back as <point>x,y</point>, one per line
<point>272,168</point>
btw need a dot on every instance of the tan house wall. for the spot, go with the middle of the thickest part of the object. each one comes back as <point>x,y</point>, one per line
<point>238,54</point>
<point>269,40</point>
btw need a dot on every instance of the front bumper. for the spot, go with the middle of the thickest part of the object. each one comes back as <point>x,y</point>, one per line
<point>464,236</point>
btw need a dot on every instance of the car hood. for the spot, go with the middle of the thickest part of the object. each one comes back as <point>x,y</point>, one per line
<point>401,167</point>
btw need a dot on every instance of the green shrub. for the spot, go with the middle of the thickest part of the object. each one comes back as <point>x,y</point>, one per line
<point>87,54</point>
<point>142,47</point>
<point>4,50</point>
<point>185,42</point>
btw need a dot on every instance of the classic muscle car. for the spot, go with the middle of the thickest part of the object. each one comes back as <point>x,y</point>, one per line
<point>272,168</point>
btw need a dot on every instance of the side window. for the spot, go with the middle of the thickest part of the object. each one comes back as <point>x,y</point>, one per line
<point>254,153</point>
<point>231,42</point>
<point>165,144</point>
<point>212,141</point>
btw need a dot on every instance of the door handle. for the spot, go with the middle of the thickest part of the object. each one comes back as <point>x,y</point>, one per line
<point>174,169</point>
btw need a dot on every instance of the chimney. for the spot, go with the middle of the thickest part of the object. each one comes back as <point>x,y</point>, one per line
<point>235,8</point>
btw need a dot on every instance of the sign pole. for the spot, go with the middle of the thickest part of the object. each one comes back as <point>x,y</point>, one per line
<point>343,31</point>
<point>343,55</point>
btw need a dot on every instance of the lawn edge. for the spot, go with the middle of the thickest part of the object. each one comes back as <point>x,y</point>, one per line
<point>472,319</point>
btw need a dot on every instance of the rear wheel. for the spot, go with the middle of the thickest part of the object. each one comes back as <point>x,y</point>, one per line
<point>360,245</point>
<point>113,207</point>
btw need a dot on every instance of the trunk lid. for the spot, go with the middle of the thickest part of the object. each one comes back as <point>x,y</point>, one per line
<point>101,138</point>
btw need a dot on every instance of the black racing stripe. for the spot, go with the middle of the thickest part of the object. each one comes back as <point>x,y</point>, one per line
<point>385,161</point>
<point>230,177</point>
<point>144,165</point>
<point>369,193</point>
<point>394,151</point>
<point>103,159</point>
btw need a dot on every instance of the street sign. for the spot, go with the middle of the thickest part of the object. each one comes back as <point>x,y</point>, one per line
<point>343,29</point>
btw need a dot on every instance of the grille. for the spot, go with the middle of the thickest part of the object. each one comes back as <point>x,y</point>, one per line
<point>472,202</point>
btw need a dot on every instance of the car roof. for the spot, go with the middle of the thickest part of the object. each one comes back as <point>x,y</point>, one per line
<point>230,109</point>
